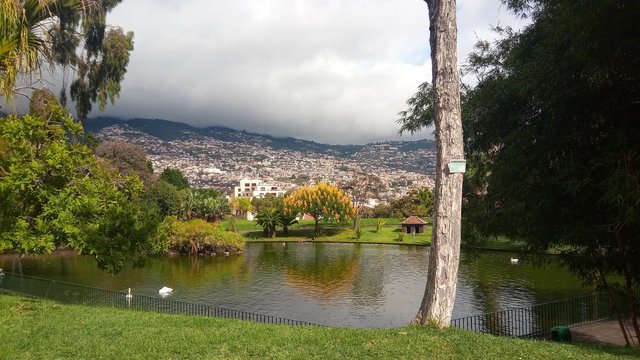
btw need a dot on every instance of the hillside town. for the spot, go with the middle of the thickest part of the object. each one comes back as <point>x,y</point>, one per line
<point>209,162</point>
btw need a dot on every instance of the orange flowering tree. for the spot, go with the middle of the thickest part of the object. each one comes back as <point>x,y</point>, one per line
<point>322,201</point>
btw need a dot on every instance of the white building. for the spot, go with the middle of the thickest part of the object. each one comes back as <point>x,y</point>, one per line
<point>250,188</point>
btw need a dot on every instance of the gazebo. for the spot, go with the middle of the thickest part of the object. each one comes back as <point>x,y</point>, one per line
<point>413,225</point>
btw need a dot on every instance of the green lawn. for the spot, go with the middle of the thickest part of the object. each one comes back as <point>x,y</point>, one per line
<point>330,233</point>
<point>303,231</point>
<point>35,329</point>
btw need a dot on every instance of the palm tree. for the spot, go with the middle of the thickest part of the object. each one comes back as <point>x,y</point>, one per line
<point>269,219</point>
<point>286,221</point>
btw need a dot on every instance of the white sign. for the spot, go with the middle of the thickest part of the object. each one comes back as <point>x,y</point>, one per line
<point>457,166</point>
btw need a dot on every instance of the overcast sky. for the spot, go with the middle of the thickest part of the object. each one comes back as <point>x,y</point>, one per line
<point>332,71</point>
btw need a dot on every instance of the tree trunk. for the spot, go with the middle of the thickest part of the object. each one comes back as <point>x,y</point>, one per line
<point>442,275</point>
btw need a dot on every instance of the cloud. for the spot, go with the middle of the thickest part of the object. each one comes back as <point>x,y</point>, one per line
<point>335,71</point>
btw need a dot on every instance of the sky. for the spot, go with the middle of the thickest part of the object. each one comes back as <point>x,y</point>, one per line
<point>331,71</point>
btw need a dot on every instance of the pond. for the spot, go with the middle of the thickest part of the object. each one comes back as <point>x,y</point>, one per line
<point>354,285</point>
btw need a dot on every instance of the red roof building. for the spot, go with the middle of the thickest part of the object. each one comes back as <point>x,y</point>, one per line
<point>413,225</point>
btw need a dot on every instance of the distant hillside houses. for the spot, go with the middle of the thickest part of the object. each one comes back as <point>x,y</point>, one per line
<point>255,188</point>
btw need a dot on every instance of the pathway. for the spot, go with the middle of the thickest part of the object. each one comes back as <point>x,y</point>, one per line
<point>606,331</point>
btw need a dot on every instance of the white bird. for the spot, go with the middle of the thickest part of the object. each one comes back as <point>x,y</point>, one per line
<point>129,296</point>
<point>1,273</point>
<point>514,260</point>
<point>165,290</point>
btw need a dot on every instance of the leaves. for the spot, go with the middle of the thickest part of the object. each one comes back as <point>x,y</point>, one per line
<point>54,192</point>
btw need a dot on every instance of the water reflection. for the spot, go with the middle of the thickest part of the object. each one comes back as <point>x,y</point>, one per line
<point>354,285</point>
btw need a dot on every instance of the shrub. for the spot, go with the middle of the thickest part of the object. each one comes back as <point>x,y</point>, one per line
<point>201,237</point>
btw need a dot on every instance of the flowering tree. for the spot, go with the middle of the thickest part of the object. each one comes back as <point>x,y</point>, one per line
<point>322,201</point>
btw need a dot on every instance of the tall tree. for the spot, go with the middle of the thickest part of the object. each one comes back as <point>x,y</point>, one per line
<point>175,177</point>
<point>442,274</point>
<point>37,34</point>
<point>554,131</point>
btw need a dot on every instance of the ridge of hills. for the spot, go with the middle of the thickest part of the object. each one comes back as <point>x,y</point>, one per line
<point>171,130</point>
<point>219,157</point>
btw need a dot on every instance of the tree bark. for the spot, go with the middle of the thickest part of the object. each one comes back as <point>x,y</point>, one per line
<point>444,256</point>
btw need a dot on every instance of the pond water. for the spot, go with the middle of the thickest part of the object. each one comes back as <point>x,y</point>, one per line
<point>354,285</point>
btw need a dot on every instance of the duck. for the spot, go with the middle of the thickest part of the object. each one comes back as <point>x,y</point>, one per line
<point>129,295</point>
<point>165,290</point>
<point>514,260</point>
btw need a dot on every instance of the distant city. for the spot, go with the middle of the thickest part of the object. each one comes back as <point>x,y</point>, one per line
<point>221,157</point>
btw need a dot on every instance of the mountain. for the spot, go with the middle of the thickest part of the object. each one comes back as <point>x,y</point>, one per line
<point>220,156</point>
<point>169,130</point>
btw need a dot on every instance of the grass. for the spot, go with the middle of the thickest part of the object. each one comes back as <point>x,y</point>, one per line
<point>37,329</point>
<point>331,233</point>
<point>303,231</point>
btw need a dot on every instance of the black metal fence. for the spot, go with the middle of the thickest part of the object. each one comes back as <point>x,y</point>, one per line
<point>78,294</point>
<point>531,321</point>
<point>538,320</point>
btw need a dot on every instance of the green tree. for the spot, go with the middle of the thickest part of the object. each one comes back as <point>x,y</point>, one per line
<point>210,205</point>
<point>241,207</point>
<point>165,196</point>
<point>554,130</point>
<point>175,177</point>
<point>417,202</point>
<point>286,220</point>
<point>269,219</point>
<point>322,202</point>
<point>269,201</point>
<point>66,33</point>
<point>54,192</point>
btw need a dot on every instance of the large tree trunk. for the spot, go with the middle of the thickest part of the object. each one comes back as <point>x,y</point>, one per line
<point>442,275</point>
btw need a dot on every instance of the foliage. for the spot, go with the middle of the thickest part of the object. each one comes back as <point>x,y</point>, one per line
<point>175,177</point>
<point>241,206</point>
<point>269,219</point>
<point>199,236</point>
<point>127,158</point>
<point>66,33</point>
<point>165,196</point>
<point>417,202</point>
<point>382,211</point>
<point>269,201</point>
<point>209,204</point>
<point>322,202</point>
<point>421,112</point>
<point>553,136</point>
<point>54,192</point>
<point>380,223</point>
<point>286,220</point>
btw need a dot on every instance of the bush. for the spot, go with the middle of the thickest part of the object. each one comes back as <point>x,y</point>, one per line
<point>201,237</point>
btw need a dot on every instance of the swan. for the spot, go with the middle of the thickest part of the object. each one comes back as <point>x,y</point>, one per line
<point>129,296</point>
<point>165,290</point>
<point>514,260</point>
